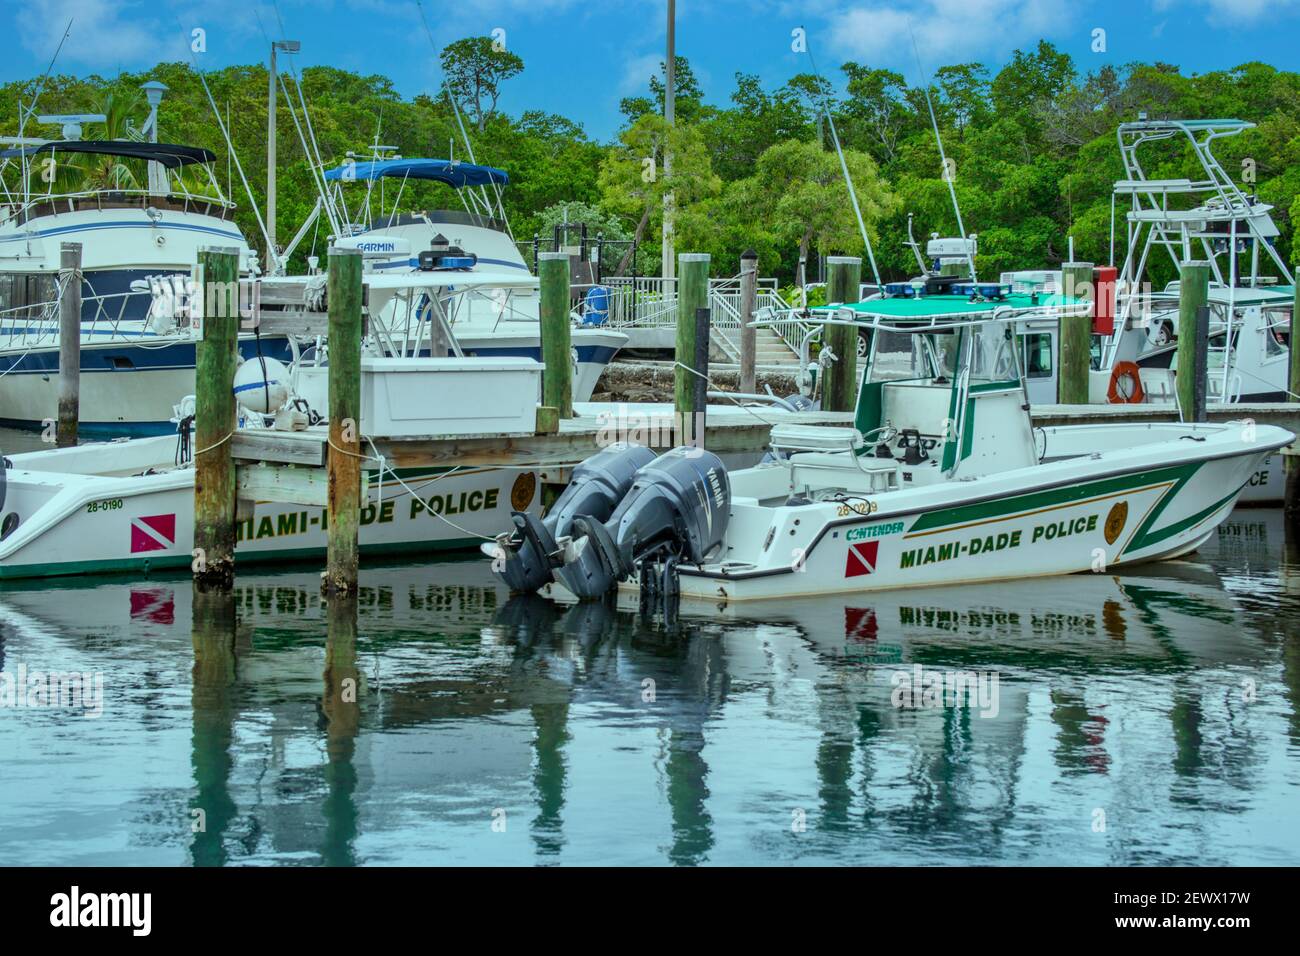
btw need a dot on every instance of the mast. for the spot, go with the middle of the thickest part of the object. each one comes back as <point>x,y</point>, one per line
<point>272,254</point>
<point>670,94</point>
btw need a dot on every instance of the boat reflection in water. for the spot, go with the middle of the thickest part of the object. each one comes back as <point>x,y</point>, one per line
<point>1106,719</point>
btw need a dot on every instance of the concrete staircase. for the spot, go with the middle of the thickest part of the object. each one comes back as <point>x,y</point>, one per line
<point>771,349</point>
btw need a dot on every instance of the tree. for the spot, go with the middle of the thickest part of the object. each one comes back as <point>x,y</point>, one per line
<point>812,201</point>
<point>876,109</point>
<point>475,68</point>
<point>632,178</point>
<point>965,89</point>
<point>688,98</point>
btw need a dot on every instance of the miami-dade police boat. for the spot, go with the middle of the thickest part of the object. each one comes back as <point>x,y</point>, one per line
<point>942,479</point>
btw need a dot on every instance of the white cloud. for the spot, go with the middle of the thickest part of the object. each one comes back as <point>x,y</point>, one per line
<point>637,71</point>
<point>104,33</point>
<point>946,30</point>
<point>1232,13</point>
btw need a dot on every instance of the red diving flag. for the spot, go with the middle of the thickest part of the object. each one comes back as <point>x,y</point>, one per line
<point>862,559</point>
<point>153,533</point>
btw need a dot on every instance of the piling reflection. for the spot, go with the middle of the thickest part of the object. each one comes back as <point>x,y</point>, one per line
<point>393,726</point>
<point>341,713</point>
<point>215,704</point>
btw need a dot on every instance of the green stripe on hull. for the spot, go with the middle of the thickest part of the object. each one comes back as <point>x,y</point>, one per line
<point>242,559</point>
<point>1068,494</point>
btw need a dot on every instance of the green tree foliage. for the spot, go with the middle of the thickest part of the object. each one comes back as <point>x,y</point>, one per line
<point>1032,147</point>
<point>475,68</point>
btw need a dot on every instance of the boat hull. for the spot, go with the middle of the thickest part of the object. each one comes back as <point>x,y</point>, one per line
<point>73,523</point>
<point>1090,523</point>
<point>128,389</point>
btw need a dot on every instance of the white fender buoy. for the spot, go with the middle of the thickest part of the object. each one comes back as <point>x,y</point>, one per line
<point>252,388</point>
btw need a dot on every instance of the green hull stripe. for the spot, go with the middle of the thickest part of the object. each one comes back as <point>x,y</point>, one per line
<point>1145,537</point>
<point>242,559</point>
<point>996,508</point>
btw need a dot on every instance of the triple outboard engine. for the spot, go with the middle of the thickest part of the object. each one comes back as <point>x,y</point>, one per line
<point>677,510</point>
<point>524,558</point>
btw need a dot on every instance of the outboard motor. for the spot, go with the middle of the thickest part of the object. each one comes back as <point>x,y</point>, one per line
<point>523,558</point>
<point>677,510</point>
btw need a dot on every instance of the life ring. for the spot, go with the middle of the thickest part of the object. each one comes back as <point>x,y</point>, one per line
<point>1118,394</point>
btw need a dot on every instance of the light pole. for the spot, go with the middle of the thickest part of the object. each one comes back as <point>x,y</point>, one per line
<point>272,254</point>
<point>668,265</point>
<point>153,94</point>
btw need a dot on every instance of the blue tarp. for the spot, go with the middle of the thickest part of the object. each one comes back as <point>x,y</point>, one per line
<point>454,174</point>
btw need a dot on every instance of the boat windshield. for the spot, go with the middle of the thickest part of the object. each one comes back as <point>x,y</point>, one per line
<point>913,355</point>
<point>987,349</point>
<point>993,354</point>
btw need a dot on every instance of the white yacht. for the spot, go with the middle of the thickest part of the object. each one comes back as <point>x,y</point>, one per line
<point>489,320</point>
<point>138,229</point>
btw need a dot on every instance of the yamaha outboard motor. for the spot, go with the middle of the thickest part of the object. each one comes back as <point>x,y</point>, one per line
<point>677,510</point>
<point>523,558</point>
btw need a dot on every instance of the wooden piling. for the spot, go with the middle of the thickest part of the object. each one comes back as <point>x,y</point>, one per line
<point>1076,337</point>
<point>1291,462</point>
<point>557,378</point>
<point>700,401</point>
<point>843,285</point>
<point>692,294</point>
<point>748,334</point>
<point>1294,385</point>
<point>343,463</point>
<point>69,345</point>
<point>215,358</point>
<point>1193,295</point>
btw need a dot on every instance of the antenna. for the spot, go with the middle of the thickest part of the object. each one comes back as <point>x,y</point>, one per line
<point>848,180</point>
<point>72,122</point>
<point>943,159</point>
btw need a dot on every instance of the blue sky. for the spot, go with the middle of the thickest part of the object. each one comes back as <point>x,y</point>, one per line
<point>582,56</point>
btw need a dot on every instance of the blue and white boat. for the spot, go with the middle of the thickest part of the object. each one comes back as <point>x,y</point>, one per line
<point>473,242</point>
<point>137,359</point>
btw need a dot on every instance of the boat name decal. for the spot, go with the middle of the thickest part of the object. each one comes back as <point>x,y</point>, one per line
<point>873,531</point>
<point>986,544</point>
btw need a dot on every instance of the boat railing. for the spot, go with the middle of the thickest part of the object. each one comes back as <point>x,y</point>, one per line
<point>46,204</point>
<point>651,302</point>
<point>109,318</point>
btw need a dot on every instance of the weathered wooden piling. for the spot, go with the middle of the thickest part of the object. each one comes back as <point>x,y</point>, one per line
<point>700,400</point>
<point>343,463</point>
<point>1076,337</point>
<point>748,334</point>
<point>843,285</point>
<point>1291,461</point>
<point>217,278</point>
<point>692,295</point>
<point>69,345</point>
<point>1193,297</point>
<point>557,378</point>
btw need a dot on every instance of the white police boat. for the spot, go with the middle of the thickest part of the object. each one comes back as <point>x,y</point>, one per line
<point>942,479</point>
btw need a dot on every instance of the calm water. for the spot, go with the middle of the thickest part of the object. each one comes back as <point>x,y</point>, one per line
<point>1148,718</point>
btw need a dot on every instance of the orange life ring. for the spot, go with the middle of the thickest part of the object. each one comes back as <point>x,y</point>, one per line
<point>1130,371</point>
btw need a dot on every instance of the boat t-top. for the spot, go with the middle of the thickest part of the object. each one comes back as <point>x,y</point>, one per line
<point>468,246</point>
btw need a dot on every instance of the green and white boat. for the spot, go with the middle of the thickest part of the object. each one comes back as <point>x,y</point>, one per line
<point>942,479</point>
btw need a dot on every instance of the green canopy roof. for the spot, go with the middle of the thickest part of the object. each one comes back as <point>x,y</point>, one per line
<point>931,307</point>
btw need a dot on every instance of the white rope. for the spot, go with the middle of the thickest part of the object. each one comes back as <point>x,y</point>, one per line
<point>218,444</point>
